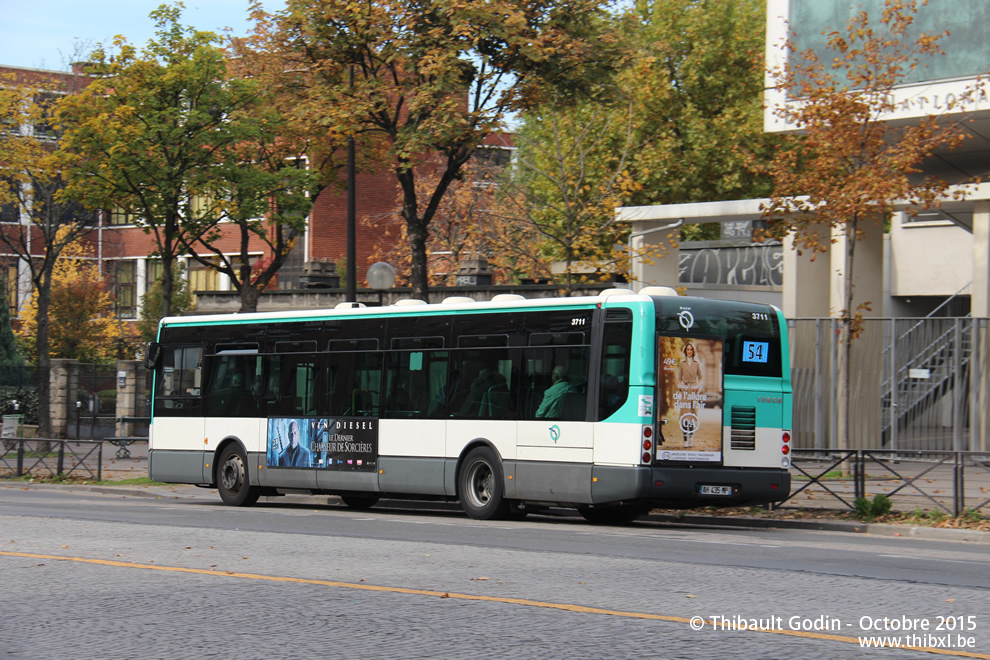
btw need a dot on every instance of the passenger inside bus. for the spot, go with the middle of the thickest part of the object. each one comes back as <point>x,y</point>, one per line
<point>553,398</point>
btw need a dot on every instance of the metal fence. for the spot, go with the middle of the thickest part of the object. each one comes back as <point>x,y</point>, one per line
<point>50,459</point>
<point>951,481</point>
<point>916,384</point>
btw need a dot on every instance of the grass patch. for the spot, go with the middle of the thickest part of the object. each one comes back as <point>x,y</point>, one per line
<point>831,474</point>
<point>137,481</point>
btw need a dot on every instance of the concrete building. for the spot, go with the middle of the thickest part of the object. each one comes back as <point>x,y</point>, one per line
<point>938,260</point>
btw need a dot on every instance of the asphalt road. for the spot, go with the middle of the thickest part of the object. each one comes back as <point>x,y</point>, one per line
<point>105,575</point>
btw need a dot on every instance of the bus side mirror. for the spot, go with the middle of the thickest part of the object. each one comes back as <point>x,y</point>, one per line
<point>152,355</point>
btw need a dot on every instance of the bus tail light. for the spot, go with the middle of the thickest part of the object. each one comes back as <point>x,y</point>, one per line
<point>647,445</point>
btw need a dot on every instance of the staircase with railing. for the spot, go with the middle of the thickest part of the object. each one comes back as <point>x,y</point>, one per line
<point>938,354</point>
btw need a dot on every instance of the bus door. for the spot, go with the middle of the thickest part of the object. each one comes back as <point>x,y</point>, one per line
<point>290,399</point>
<point>231,395</point>
<point>178,417</point>
<point>345,442</point>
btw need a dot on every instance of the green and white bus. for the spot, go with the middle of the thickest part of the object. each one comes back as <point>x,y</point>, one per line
<point>613,404</point>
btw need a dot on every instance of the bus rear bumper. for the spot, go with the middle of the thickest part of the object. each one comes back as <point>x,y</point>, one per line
<point>688,487</point>
<point>695,486</point>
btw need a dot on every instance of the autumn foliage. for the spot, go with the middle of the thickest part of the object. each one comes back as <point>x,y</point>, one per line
<point>82,320</point>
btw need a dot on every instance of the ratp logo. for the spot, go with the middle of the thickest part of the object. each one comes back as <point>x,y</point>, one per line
<point>554,433</point>
<point>686,319</point>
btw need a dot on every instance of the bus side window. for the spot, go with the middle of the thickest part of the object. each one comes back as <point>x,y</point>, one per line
<point>556,383</point>
<point>353,384</point>
<point>231,386</point>
<point>412,379</point>
<point>291,387</point>
<point>614,387</point>
<point>480,385</point>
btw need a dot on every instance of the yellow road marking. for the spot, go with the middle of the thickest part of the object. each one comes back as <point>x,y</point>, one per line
<point>491,599</point>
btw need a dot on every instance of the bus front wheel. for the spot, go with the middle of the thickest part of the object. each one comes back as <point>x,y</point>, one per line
<point>232,478</point>
<point>481,487</point>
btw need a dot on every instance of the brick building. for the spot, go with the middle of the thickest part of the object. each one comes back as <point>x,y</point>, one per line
<point>123,248</point>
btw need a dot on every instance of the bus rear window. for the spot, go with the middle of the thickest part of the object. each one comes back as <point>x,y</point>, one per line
<point>750,331</point>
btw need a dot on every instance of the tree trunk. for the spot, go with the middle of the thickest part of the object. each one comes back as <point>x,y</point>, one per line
<point>44,360</point>
<point>419,277</point>
<point>843,389</point>
<point>249,298</point>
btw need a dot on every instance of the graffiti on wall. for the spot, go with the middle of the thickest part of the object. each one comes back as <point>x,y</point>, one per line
<point>741,264</point>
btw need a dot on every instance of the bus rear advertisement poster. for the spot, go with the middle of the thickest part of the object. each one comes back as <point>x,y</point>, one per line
<point>691,398</point>
<point>340,443</point>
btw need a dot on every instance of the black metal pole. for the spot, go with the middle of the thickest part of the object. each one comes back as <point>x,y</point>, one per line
<point>351,213</point>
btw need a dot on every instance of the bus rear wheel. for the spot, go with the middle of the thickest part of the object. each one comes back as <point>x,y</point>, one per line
<point>360,501</point>
<point>232,478</point>
<point>480,486</point>
<point>622,514</point>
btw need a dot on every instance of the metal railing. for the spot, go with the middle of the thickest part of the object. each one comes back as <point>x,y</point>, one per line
<point>950,481</point>
<point>49,459</point>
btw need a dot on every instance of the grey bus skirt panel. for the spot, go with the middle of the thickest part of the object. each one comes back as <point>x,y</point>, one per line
<point>180,467</point>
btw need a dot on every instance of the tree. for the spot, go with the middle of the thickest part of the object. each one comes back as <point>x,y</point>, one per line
<point>266,197</point>
<point>265,184</point>
<point>32,186</point>
<point>473,219</point>
<point>430,79</point>
<point>9,355</point>
<point>147,136</point>
<point>82,322</point>
<point>182,301</point>
<point>695,85</point>
<point>571,174</point>
<point>683,123</point>
<point>849,165</point>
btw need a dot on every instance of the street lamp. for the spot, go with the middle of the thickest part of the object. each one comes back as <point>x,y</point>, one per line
<point>381,277</point>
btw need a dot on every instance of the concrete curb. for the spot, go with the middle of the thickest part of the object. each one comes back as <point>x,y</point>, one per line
<point>156,492</point>
<point>844,526</point>
<point>876,529</point>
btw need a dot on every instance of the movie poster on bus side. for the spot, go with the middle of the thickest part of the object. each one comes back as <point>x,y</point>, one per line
<point>690,399</point>
<point>341,443</point>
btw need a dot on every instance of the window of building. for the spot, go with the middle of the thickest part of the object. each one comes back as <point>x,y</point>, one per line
<point>44,126</point>
<point>202,278</point>
<point>124,281</point>
<point>119,216</point>
<point>493,157</point>
<point>154,274</point>
<point>11,288</point>
<point>10,212</point>
<point>10,209</point>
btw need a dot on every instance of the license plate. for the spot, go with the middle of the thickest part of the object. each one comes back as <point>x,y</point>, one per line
<point>716,490</point>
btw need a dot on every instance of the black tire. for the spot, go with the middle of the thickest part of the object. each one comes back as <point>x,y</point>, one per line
<point>360,501</point>
<point>233,482</point>
<point>480,485</point>
<point>622,514</point>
